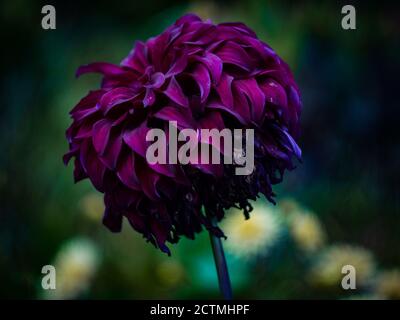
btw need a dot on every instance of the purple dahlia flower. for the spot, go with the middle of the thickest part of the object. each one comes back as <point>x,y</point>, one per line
<point>200,75</point>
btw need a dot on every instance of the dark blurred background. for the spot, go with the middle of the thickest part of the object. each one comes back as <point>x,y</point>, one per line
<point>341,206</point>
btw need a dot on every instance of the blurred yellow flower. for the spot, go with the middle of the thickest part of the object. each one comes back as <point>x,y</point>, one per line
<point>170,272</point>
<point>75,264</point>
<point>307,231</point>
<point>92,206</point>
<point>388,284</point>
<point>327,271</point>
<point>247,238</point>
<point>304,226</point>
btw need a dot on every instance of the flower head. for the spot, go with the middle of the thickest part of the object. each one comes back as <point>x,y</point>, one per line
<point>203,76</point>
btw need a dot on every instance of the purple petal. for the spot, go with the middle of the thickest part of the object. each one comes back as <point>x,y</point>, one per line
<point>71,153</point>
<point>137,58</point>
<point>215,104</point>
<point>224,89</point>
<point>289,142</point>
<point>213,120</point>
<point>148,181</point>
<point>79,172</point>
<point>211,169</point>
<point>257,99</point>
<point>264,51</point>
<point>112,219</point>
<point>85,130</point>
<point>241,27</point>
<point>202,34</point>
<point>127,173</point>
<point>115,97</point>
<point>112,152</point>
<point>136,139</point>
<point>202,77</point>
<point>213,64</point>
<point>101,134</point>
<point>273,150</point>
<point>188,18</point>
<point>295,108</point>
<point>157,79</point>
<point>88,102</point>
<point>164,169</point>
<point>274,93</point>
<point>178,66</point>
<point>82,114</point>
<point>149,98</point>
<point>175,93</point>
<point>105,68</point>
<point>233,53</point>
<point>183,117</point>
<point>92,165</point>
<point>160,233</point>
<point>157,49</point>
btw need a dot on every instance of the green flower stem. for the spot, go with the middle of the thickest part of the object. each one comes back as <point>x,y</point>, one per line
<point>222,269</point>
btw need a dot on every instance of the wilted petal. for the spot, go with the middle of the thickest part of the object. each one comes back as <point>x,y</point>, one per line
<point>137,221</point>
<point>288,142</point>
<point>161,234</point>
